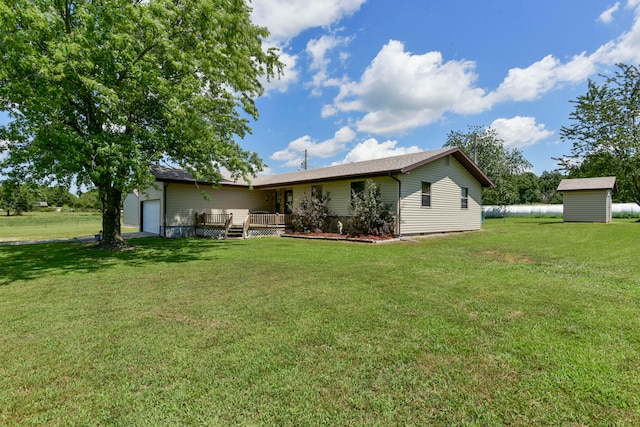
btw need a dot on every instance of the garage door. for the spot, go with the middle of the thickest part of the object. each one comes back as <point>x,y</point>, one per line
<point>151,216</point>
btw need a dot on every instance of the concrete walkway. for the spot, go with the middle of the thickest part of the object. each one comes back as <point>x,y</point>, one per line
<point>81,239</point>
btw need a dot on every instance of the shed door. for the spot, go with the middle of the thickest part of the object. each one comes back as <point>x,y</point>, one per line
<point>151,216</point>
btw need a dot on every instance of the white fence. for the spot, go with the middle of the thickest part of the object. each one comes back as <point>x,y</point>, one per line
<point>493,211</point>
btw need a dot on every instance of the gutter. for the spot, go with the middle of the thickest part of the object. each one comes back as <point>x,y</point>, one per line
<point>399,206</point>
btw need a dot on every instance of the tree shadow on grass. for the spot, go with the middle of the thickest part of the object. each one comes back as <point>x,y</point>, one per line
<point>28,262</point>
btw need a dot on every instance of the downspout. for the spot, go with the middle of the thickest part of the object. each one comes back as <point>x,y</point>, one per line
<point>164,210</point>
<point>399,207</point>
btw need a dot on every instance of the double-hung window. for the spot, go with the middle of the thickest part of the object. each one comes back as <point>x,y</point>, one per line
<point>426,194</point>
<point>464,197</point>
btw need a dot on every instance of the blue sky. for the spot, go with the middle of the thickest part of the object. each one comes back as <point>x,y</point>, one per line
<point>373,78</point>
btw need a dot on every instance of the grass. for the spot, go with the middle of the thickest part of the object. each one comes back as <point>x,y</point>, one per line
<point>50,225</point>
<point>528,322</point>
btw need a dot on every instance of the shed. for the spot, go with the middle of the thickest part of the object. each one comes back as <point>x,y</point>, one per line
<point>587,199</point>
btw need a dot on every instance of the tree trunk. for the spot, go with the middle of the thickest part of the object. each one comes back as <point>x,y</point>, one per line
<point>111,226</point>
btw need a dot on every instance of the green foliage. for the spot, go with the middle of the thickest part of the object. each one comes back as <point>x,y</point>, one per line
<point>310,213</point>
<point>88,200</point>
<point>17,197</point>
<point>500,164</point>
<point>58,196</point>
<point>370,214</point>
<point>548,185</point>
<point>100,90</point>
<point>606,132</point>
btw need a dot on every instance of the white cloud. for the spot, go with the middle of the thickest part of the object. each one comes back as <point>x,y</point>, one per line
<point>400,91</point>
<point>372,149</point>
<point>286,19</point>
<point>625,48</point>
<point>293,155</point>
<point>318,50</point>
<point>607,16</point>
<point>527,84</point>
<point>520,131</point>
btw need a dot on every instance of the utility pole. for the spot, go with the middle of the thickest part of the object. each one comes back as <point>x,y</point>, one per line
<point>304,163</point>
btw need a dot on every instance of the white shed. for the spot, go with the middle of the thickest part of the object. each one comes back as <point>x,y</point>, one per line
<point>587,199</point>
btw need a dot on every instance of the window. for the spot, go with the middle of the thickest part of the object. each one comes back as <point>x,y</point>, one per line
<point>357,187</point>
<point>464,198</point>
<point>426,194</point>
<point>316,191</point>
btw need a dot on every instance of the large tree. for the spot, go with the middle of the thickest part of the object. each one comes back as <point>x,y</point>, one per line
<point>605,132</point>
<point>100,90</point>
<point>501,164</point>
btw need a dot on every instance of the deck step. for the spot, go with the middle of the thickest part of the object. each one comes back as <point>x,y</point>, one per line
<point>235,232</point>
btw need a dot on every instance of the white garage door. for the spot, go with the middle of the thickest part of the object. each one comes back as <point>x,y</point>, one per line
<point>151,216</point>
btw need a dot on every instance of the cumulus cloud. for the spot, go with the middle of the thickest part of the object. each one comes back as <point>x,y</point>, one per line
<point>318,50</point>
<point>286,19</point>
<point>372,149</point>
<point>625,48</point>
<point>527,84</point>
<point>520,131</point>
<point>400,91</point>
<point>293,155</point>
<point>607,16</point>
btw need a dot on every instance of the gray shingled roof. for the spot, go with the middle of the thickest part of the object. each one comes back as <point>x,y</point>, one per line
<point>388,165</point>
<point>170,174</point>
<point>577,184</point>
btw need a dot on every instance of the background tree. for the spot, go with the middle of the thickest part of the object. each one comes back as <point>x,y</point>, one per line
<point>500,164</point>
<point>101,90</point>
<point>528,188</point>
<point>17,197</point>
<point>548,184</point>
<point>606,132</point>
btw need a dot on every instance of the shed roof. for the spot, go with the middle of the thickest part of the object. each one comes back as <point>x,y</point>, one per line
<point>581,184</point>
<point>384,166</point>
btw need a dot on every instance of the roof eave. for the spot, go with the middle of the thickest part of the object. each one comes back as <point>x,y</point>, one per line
<point>463,159</point>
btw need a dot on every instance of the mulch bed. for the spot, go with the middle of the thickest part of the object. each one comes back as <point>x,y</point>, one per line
<point>363,238</point>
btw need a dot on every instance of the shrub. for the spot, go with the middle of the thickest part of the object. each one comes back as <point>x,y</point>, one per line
<point>310,213</point>
<point>370,214</point>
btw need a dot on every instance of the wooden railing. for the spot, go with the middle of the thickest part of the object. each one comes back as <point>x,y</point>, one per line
<point>266,220</point>
<point>222,220</point>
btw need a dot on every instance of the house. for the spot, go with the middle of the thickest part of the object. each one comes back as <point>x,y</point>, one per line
<point>587,199</point>
<point>429,192</point>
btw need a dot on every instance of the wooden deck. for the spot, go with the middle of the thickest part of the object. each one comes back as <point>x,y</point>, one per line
<point>222,225</point>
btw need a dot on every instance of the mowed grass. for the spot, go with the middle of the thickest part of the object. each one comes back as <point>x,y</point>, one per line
<point>528,322</point>
<point>43,225</point>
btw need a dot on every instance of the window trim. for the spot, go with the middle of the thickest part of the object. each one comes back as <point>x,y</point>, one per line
<point>425,194</point>
<point>464,197</point>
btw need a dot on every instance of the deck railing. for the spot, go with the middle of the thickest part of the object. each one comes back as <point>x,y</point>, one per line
<point>221,220</point>
<point>266,220</point>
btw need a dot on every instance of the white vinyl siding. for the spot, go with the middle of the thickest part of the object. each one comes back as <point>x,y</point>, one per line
<point>131,211</point>
<point>587,206</point>
<point>185,200</point>
<point>339,193</point>
<point>447,177</point>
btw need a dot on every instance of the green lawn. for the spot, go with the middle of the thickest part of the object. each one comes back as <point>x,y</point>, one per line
<point>46,225</point>
<point>528,322</point>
